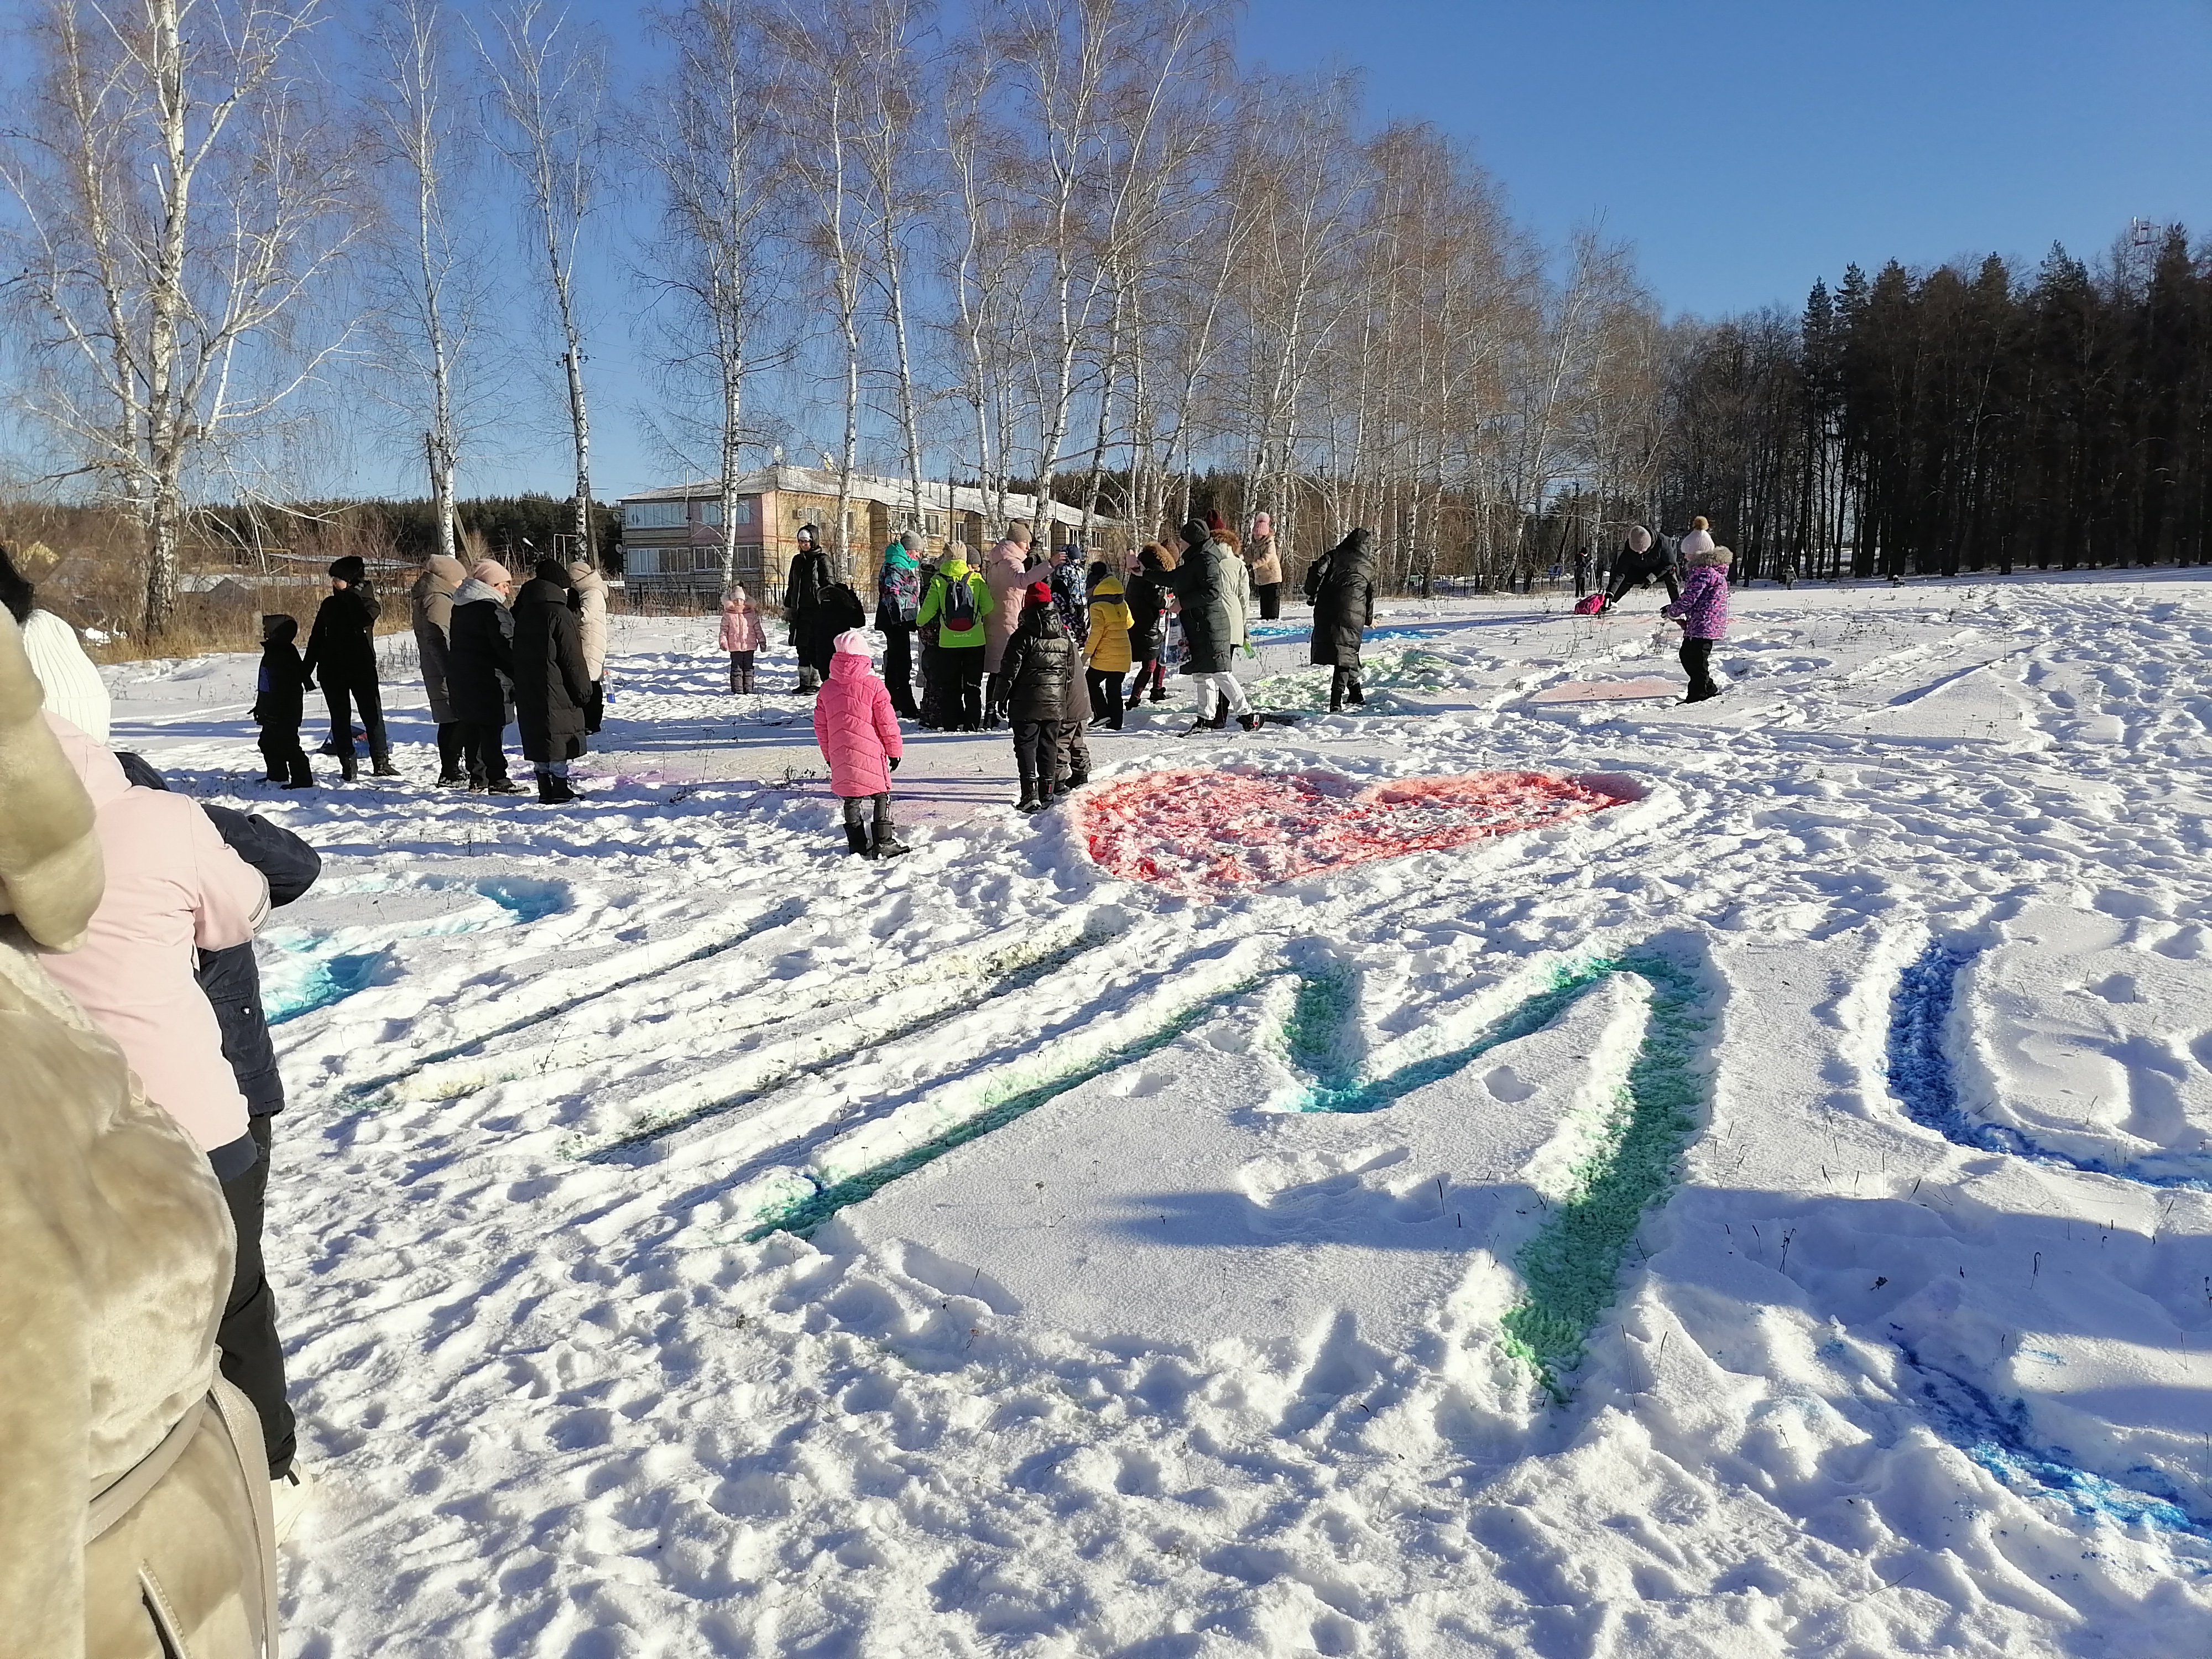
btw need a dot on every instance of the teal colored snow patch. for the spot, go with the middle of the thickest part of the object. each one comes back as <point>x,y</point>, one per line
<point>319,981</point>
<point>1571,1267</point>
<point>1324,1006</point>
<point>1996,1437</point>
<point>808,1213</point>
<point>1919,1068</point>
<point>524,898</point>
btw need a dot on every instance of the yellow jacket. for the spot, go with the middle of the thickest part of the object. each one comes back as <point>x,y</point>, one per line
<point>1108,648</point>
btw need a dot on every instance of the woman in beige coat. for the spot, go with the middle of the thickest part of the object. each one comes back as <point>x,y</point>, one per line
<point>118,1248</point>
<point>590,600</point>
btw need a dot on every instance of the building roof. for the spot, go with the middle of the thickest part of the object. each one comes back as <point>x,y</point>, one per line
<point>890,492</point>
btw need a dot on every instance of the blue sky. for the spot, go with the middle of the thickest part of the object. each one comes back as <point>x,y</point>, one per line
<point>1745,147</point>
<point>1749,146</point>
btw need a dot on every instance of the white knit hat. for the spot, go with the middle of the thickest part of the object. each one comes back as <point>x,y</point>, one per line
<point>72,684</point>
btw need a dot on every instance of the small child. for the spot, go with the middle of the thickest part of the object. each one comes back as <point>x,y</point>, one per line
<point>1703,611</point>
<point>859,732</point>
<point>1040,679</point>
<point>279,695</point>
<point>741,635</point>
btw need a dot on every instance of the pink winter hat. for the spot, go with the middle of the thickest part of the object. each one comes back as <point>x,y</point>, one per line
<point>1262,524</point>
<point>491,573</point>
<point>852,643</point>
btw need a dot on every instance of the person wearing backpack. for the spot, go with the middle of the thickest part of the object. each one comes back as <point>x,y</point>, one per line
<point>959,602</point>
<point>898,598</point>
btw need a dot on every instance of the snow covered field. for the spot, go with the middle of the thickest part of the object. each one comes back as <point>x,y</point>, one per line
<point>1770,1215</point>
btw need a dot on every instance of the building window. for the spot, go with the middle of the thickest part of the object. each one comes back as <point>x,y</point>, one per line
<point>710,513</point>
<point>642,561</point>
<point>652,515</point>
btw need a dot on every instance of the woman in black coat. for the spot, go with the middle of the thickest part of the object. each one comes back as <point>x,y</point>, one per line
<point>1341,585</point>
<point>1142,594</point>
<point>833,610</point>
<point>1210,629</point>
<point>551,690</point>
<point>342,650</point>
<point>480,675</point>
<point>809,575</point>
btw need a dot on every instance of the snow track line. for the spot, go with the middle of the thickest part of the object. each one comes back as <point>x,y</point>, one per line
<point>1017,967</point>
<point>665,958</point>
<point>1919,1069</point>
<point>834,1192</point>
<point>1573,1265</point>
<point>1996,1438</point>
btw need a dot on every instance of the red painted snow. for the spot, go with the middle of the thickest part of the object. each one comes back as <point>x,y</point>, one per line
<point>1190,830</point>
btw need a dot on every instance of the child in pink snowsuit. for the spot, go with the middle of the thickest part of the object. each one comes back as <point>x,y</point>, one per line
<point>859,732</point>
<point>741,635</point>
<point>1703,611</point>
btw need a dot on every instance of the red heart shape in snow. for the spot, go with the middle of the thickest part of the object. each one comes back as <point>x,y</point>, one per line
<point>1188,830</point>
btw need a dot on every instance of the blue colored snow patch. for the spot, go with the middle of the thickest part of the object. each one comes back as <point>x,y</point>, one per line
<point>1920,1076</point>
<point>319,981</point>
<point>525,898</point>
<point>1996,1437</point>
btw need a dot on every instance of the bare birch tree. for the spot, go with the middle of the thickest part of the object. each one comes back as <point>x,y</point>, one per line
<point>181,204</point>
<point>437,283</point>
<point>716,162</point>
<point>548,75</point>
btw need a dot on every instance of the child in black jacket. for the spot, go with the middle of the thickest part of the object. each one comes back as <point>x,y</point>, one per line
<point>277,703</point>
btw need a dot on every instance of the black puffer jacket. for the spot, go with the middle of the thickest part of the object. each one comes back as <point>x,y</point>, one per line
<point>1039,666</point>
<point>1343,600</point>
<point>1199,585</point>
<point>551,689</point>
<point>1143,597</point>
<point>341,649</point>
<point>480,656</point>
<point>231,978</point>
<point>833,608</point>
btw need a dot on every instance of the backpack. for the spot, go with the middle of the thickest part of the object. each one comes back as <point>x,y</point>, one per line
<point>1589,604</point>
<point>958,611</point>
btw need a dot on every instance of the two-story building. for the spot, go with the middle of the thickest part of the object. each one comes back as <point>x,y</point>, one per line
<point>672,538</point>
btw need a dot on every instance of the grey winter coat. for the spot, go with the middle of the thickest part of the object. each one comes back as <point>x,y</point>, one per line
<point>1210,633</point>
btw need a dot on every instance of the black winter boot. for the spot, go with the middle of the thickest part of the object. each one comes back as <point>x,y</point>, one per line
<point>1219,719</point>
<point>1250,721</point>
<point>545,789</point>
<point>887,845</point>
<point>856,839</point>
<point>300,777</point>
<point>564,790</point>
<point>349,768</point>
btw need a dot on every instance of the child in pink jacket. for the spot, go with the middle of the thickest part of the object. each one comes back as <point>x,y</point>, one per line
<point>741,635</point>
<point>859,731</point>
<point>1703,611</point>
<point>174,889</point>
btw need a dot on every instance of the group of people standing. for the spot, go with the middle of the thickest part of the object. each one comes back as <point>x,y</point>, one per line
<point>1046,645</point>
<point>491,656</point>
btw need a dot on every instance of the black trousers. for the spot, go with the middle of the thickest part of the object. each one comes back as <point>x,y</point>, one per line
<point>1270,595</point>
<point>1104,685</point>
<point>484,751</point>
<point>1697,663</point>
<point>288,762</point>
<point>1036,756</point>
<point>961,687</point>
<point>1626,580</point>
<point>252,1359</point>
<point>898,670</point>
<point>369,696</point>
<point>1344,686</point>
<point>741,671</point>
<point>452,750</point>
<point>595,707</point>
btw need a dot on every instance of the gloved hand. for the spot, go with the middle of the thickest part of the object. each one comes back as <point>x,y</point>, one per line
<point>894,762</point>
